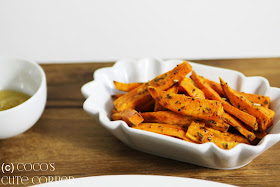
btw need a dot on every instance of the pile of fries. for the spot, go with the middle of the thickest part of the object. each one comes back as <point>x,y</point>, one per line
<point>193,109</point>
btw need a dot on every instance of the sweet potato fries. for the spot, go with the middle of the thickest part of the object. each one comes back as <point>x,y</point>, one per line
<point>193,109</point>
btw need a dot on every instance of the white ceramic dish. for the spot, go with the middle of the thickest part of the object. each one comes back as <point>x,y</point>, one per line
<point>99,105</point>
<point>27,77</point>
<point>135,181</point>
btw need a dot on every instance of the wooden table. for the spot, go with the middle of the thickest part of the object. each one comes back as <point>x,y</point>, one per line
<point>79,147</point>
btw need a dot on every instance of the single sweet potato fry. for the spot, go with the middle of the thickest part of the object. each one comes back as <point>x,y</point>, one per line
<point>223,127</point>
<point>199,133</point>
<point>257,99</point>
<point>215,86</point>
<point>131,117</point>
<point>146,107</point>
<point>263,115</point>
<point>173,118</point>
<point>167,79</point>
<point>114,111</point>
<point>242,116</point>
<point>165,129</point>
<point>173,89</point>
<point>126,87</point>
<point>138,96</point>
<point>181,90</point>
<point>168,117</point>
<point>239,126</point>
<point>197,108</point>
<point>116,96</point>
<point>213,95</point>
<point>159,107</point>
<point>116,116</point>
<point>261,134</point>
<point>191,89</point>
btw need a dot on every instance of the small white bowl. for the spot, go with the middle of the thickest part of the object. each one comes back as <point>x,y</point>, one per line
<point>99,104</point>
<point>27,77</point>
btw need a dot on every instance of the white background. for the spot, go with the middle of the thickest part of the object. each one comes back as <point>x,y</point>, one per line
<point>106,30</point>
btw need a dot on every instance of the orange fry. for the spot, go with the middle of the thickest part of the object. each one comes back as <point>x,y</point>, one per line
<point>215,86</point>
<point>173,89</point>
<point>258,99</point>
<point>221,126</point>
<point>191,89</point>
<point>261,134</point>
<point>126,87</point>
<point>116,116</point>
<point>131,117</point>
<point>239,126</point>
<point>201,134</point>
<point>165,129</point>
<point>167,117</point>
<point>116,96</point>
<point>146,107</point>
<point>114,111</point>
<point>197,108</point>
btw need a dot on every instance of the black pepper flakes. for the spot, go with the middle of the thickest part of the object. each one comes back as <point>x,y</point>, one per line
<point>168,96</point>
<point>226,146</point>
<point>200,135</point>
<point>177,102</point>
<point>159,78</point>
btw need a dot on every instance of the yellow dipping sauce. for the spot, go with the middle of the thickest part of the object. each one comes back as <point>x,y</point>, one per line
<point>10,99</point>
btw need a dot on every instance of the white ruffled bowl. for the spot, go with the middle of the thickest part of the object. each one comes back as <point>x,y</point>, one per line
<point>99,104</point>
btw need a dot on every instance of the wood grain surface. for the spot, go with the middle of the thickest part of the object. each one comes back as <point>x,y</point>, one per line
<point>79,147</point>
